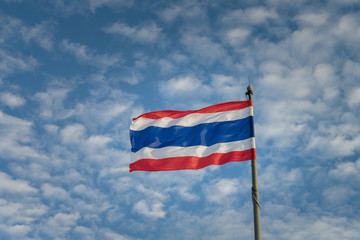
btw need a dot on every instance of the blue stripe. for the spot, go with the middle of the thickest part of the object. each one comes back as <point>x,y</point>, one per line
<point>205,134</point>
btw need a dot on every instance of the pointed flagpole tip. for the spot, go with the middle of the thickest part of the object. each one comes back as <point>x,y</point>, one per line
<point>249,90</point>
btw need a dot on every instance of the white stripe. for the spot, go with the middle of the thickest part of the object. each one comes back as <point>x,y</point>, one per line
<point>192,119</point>
<point>197,151</point>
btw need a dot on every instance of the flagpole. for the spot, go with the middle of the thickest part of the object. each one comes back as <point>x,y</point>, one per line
<point>254,189</point>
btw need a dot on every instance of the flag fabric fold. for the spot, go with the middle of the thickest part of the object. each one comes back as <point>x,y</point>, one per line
<point>178,140</point>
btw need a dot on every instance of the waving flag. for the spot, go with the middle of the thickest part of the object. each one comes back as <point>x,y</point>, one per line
<point>178,140</point>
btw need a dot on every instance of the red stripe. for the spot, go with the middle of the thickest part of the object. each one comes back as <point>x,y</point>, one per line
<point>183,163</point>
<point>222,107</point>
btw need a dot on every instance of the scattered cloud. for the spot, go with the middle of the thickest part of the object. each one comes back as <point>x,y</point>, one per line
<point>115,4</point>
<point>64,142</point>
<point>13,28</point>
<point>60,224</point>
<point>337,195</point>
<point>74,133</point>
<point>313,19</point>
<point>220,190</point>
<point>16,136</point>
<point>41,34</point>
<point>346,171</point>
<point>189,11</point>
<point>66,8</point>
<point>153,210</point>
<point>10,63</point>
<point>354,97</point>
<point>87,56</point>
<point>237,36</point>
<point>12,100</point>
<point>148,33</point>
<point>250,16</point>
<point>54,193</point>
<point>15,186</point>
<point>183,86</point>
<point>203,48</point>
<point>51,103</point>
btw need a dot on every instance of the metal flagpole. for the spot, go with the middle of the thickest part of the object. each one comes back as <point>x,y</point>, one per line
<point>254,189</point>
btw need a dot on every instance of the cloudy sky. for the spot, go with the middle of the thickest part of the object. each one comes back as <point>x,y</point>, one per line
<point>74,73</point>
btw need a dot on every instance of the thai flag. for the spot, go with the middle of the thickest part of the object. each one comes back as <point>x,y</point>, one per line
<point>178,140</point>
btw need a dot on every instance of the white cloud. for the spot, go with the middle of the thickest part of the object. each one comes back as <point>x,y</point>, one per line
<point>166,66</point>
<point>88,56</point>
<point>203,48</point>
<point>106,111</point>
<point>88,192</point>
<point>171,13</point>
<point>12,100</point>
<point>161,187</point>
<point>337,195</point>
<point>188,11</point>
<point>221,222</point>
<point>353,99</point>
<point>351,70</point>
<point>346,171</point>
<point>276,178</point>
<point>8,26</point>
<point>282,122</point>
<point>292,224</point>
<point>67,8</point>
<point>54,193</point>
<point>33,171</point>
<point>237,36</point>
<point>313,19</point>
<point>86,233</point>
<point>148,33</point>
<point>8,185</point>
<point>111,235</point>
<point>16,136</point>
<point>151,193</point>
<point>348,26</point>
<point>10,63</point>
<point>155,210</point>
<point>93,147</point>
<point>52,103</point>
<point>116,4</point>
<point>97,141</point>
<point>223,188</point>
<point>110,107</point>
<point>14,28</point>
<point>60,224</point>
<point>257,15</point>
<point>184,87</point>
<point>186,195</point>
<point>16,231</point>
<point>18,212</point>
<point>334,141</point>
<point>51,128</point>
<point>40,34</point>
<point>74,133</point>
<point>273,67</point>
<point>249,16</point>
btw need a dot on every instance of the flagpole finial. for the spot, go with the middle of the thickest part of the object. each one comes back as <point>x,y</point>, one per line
<point>249,90</point>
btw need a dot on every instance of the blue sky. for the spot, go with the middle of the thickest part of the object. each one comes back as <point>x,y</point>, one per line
<point>74,73</point>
